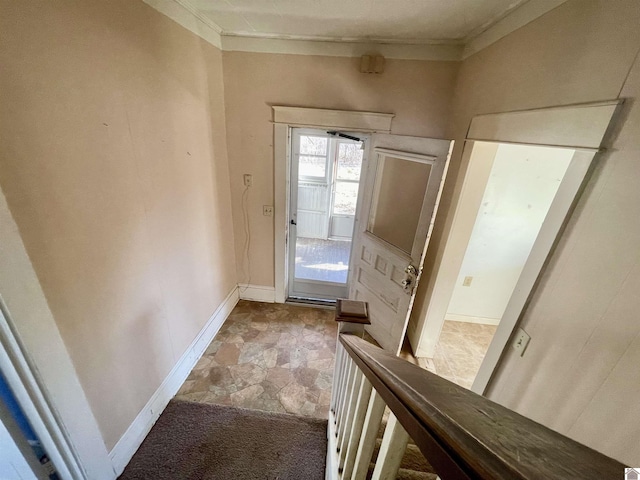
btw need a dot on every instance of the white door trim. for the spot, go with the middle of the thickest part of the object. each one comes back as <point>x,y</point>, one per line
<point>281,169</point>
<point>339,119</point>
<point>575,126</point>
<point>28,393</point>
<point>580,127</point>
<point>286,118</point>
<point>37,352</point>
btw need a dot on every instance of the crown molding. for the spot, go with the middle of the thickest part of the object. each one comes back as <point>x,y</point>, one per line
<point>185,14</point>
<point>367,40</point>
<point>439,52</point>
<point>517,18</point>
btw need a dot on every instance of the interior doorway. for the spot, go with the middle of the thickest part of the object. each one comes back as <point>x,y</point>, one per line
<point>578,130</point>
<point>522,183</point>
<point>325,177</point>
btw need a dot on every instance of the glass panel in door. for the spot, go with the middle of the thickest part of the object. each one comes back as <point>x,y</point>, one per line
<point>324,197</point>
<point>400,187</point>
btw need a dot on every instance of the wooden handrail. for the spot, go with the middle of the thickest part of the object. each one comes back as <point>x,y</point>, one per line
<point>465,435</point>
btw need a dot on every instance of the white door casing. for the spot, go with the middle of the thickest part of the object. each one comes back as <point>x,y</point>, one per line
<point>391,237</point>
<point>578,127</point>
<point>284,119</point>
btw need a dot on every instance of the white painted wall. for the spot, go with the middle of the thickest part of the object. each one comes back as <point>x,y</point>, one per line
<point>521,186</point>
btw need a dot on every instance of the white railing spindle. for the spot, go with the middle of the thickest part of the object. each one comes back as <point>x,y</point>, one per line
<point>351,447</point>
<point>337,375</point>
<point>351,373</point>
<point>370,427</point>
<point>345,432</point>
<point>394,445</point>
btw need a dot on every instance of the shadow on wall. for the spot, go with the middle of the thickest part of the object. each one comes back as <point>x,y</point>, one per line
<point>114,167</point>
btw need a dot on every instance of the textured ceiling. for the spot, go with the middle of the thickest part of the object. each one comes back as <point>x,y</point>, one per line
<point>400,20</point>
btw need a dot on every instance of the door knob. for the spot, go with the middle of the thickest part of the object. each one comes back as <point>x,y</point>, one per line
<point>411,270</point>
<point>409,280</point>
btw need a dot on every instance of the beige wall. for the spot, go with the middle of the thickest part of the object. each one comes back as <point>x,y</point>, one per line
<point>418,92</point>
<point>113,162</point>
<point>580,372</point>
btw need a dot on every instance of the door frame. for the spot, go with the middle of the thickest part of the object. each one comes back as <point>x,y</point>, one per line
<point>578,127</point>
<point>37,366</point>
<point>32,401</point>
<point>286,118</point>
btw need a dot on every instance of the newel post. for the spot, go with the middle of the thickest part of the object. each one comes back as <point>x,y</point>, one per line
<point>352,316</point>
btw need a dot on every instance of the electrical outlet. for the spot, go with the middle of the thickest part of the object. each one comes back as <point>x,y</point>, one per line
<point>248,179</point>
<point>520,341</point>
<point>267,210</point>
<point>467,281</point>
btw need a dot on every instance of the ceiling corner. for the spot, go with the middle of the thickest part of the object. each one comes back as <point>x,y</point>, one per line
<point>515,19</point>
<point>186,15</point>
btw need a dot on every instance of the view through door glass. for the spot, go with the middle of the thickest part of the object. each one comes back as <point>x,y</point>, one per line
<point>328,178</point>
<point>400,186</point>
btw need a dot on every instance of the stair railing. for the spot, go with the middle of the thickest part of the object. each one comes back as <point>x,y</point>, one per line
<point>461,434</point>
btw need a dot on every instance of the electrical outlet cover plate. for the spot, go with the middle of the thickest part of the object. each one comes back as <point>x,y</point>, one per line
<point>520,341</point>
<point>267,210</point>
<point>248,179</point>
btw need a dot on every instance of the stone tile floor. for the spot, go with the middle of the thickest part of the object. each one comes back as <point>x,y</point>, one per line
<point>461,349</point>
<point>270,357</point>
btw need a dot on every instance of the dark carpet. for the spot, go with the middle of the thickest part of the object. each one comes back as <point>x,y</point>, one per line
<point>200,441</point>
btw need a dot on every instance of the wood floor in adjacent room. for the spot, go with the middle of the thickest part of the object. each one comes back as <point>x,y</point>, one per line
<point>270,357</point>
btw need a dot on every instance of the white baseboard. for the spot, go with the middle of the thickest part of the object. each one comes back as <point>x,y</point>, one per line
<point>469,319</point>
<point>427,364</point>
<point>138,430</point>
<point>257,293</point>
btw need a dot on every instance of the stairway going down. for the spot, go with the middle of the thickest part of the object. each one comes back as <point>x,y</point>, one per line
<point>413,466</point>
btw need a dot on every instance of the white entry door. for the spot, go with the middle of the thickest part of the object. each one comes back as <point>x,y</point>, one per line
<point>401,192</point>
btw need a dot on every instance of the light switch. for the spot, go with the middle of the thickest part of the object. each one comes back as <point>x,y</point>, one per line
<point>521,341</point>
